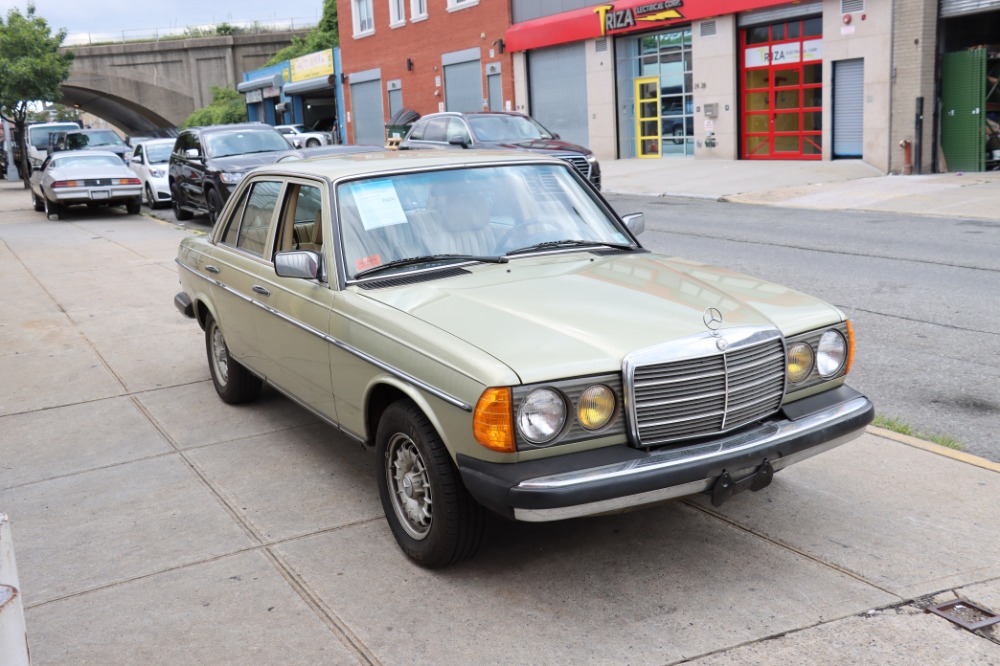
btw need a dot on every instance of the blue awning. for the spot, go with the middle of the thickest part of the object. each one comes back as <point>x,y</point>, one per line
<point>275,81</point>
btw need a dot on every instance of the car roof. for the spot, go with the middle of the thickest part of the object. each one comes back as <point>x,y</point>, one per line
<point>474,113</point>
<point>229,128</point>
<point>86,153</point>
<point>335,167</point>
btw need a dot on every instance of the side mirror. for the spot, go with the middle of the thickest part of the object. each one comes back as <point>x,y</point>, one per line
<point>459,140</point>
<point>298,264</point>
<point>556,136</point>
<point>192,152</point>
<point>636,222</point>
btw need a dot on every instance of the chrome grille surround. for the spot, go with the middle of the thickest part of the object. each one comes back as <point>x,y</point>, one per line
<point>688,388</point>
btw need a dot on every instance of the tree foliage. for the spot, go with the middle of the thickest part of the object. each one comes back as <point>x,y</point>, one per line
<point>323,36</point>
<point>228,106</point>
<point>31,69</point>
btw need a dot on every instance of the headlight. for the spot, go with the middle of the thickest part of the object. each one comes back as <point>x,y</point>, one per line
<point>591,159</point>
<point>231,177</point>
<point>541,415</point>
<point>157,173</point>
<point>800,362</point>
<point>597,406</point>
<point>831,353</point>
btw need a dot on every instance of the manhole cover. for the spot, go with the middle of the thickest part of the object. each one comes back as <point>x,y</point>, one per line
<point>965,614</point>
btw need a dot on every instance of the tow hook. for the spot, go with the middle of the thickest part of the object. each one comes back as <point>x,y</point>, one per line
<point>725,487</point>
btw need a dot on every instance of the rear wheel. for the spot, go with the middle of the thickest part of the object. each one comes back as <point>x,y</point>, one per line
<point>180,213</point>
<point>133,206</point>
<point>52,209</point>
<point>433,517</point>
<point>233,382</point>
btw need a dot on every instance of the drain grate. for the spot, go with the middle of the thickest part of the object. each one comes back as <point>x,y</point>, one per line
<point>965,614</point>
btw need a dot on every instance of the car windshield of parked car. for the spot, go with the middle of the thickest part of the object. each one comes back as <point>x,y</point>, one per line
<point>93,139</point>
<point>504,128</point>
<point>242,142</point>
<point>39,136</point>
<point>158,153</point>
<point>420,220</point>
<point>85,161</point>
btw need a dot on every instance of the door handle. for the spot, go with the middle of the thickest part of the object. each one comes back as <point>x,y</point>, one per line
<point>212,269</point>
<point>260,290</point>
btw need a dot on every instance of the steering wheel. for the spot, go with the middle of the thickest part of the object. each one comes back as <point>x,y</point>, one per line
<point>529,232</point>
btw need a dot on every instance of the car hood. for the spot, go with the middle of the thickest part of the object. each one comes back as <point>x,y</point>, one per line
<point>245,162</point>
<point>546,146</point>
<point>577,314</point>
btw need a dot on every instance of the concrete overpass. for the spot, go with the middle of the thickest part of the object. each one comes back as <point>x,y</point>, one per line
<point>143,87</point>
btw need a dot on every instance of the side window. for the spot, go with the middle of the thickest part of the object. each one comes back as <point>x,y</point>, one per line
<point>302,220</point>
<point>195,142</point>
<point>457,128</point>
<point>137,155</point>
<point>250,224</point>
<point>417,133</point>
<point>436,130</point>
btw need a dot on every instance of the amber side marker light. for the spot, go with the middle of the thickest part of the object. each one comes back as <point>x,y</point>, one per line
<point>492,420</point>
<point>850,347</point>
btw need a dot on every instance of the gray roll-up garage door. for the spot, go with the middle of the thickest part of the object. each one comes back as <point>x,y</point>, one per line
<point>848,108</point>
<point>557,91</point>
<point>366,105</point>
<point>961,7</point>
<point>463,86</point>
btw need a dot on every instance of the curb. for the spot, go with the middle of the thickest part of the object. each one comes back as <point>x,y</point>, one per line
<point>931,447</point>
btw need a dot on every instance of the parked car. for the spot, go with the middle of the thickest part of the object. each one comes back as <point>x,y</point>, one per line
<point>498,335</point>
<point>38,140</point>
<point>676,120</point>
<point>89,139</point>
<point>326,151</point>
<point>300,137</point>
<point>149,161</point>
<point>498,130</point>
<point>91,177</point>
<point>208,162</point>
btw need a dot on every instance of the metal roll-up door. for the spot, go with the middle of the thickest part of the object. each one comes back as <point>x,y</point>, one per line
<point>778,14</point>
<point>463,86</point>
<point>848,108</point>
<point>557,91</point>
<point>366,105</point>
<point>961,7</point>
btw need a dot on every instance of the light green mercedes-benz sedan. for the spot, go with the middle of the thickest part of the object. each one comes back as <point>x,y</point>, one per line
<point>491,327</point>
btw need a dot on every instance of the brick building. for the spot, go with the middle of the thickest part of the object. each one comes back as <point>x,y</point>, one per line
<point>425,55</point>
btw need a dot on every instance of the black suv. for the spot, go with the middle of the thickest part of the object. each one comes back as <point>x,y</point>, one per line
<point>208,162</point>
<point>498,130</point>
<point>89,139</point>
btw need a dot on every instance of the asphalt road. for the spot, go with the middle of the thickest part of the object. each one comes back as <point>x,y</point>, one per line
<point>921,292</point>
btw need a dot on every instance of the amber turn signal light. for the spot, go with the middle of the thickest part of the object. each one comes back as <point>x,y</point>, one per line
<point>492,423</point>
<point>850,347</point>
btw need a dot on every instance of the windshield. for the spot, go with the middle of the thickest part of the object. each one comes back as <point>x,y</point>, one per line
<point>241,142</point>
<point>85,161</point>
<point>481,212</point>
<point>158,152</point>
<point>39,136</point>
<point>93,139</point>
<point>503,128</point>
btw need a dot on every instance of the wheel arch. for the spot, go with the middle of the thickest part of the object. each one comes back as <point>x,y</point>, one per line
<point>383,391</point>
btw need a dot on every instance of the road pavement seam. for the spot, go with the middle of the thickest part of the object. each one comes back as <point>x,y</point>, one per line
<point>937,449</point>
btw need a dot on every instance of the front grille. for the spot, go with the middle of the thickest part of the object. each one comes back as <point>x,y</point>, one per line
<point>708,395</point>
<point>581,164</point>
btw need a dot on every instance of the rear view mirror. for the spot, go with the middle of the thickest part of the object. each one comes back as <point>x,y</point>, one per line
<point>636,222</point>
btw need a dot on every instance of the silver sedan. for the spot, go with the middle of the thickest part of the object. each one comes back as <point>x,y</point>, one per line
<point>91,177</point>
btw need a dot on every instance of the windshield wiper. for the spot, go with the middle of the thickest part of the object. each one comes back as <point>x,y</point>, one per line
<point>412,261</point>
<point>547,245</point>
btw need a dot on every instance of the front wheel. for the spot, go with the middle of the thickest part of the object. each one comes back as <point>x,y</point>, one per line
<point>182,214</point>
<point>150,198</point>
<point>214,205</point>
<point>37,203</point>
<point>431,514</point>
<point>233,382</point>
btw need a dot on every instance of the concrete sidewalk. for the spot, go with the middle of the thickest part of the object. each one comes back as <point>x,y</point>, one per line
<point>154,524</point>
<point>837,185</point>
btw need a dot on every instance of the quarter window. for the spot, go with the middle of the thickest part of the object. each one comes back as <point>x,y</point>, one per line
<point>255,221</point>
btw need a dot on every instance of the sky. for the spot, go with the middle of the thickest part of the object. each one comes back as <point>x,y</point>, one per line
<point>140,18</point>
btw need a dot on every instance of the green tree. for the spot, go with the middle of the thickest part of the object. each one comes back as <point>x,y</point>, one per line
<point>227,107</point>
<point>31,69</point>
<point>324,36</point>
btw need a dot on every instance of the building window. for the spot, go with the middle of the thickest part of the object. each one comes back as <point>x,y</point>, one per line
<point>418,10</point>
<point>397,13</point>
<point>461,4</point>
<point>364,23</point>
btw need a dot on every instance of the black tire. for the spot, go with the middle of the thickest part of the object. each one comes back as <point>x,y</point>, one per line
<point>433,517</point>
<point>182,214</point>
<point>214,205</point>
<point>233,382</point>
<point>37,203</point>
<point>312,143</point>
<point>52,209</point>
<point>150,199</point>
<point>133,206</point>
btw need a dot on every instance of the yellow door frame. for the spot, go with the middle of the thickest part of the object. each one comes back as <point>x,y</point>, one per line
<point>647,145</point>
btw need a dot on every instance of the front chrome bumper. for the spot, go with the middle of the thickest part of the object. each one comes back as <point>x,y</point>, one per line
<point>595,482</point>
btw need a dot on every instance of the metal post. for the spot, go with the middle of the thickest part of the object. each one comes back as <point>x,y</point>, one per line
<point>8,157</point>
<point>13,635</point>
<point>918,135</point>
